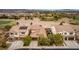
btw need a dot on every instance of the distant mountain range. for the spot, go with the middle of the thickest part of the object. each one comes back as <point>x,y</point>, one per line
<point>38,10</point>
<point>22,10</point>
<point>68,10</point>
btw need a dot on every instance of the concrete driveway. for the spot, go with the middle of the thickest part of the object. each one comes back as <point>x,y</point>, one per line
<point>33,44</point>
<point>72,44</point>
<point>16,45</point>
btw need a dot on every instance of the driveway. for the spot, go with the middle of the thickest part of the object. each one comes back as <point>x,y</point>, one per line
<point>33,44</point>
<point>16,45</point>
<point>72,44</point>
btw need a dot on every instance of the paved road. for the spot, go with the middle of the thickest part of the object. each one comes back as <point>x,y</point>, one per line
<point>15,45</point>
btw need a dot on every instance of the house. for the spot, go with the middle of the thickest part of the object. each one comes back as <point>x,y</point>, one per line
<point>18,31</point>
<point>37,31</point>
<point>67,31</point>
<point>78,35</point>
<point>76,29</point>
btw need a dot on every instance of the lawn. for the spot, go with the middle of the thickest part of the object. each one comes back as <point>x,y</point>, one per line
<point>47,18</point>
<point>77,18</point>
<point>4,22</point>
<point>74,22</point>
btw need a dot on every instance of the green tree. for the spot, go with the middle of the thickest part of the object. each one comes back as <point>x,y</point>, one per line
<point>4,16</point>
<point>58,39</point>
<point>50,36</point>
<point>73,17</point>
<point>43,41</point>
<point>56,18</point>
<point>27,40</point>
<point>7,27</point>
<point>3,41</point>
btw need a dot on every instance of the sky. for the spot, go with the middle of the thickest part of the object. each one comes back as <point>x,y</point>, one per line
<point>39,4</point>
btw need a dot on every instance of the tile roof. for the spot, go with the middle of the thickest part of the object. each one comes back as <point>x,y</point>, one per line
<point>67,28</point>
<point>37,30</point>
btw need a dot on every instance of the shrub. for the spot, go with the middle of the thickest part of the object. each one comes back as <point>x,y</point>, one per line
<point>74,23</point>
<point>46,18</point>
<point>56,17</point>
<point>43,41</point>
<point>59,42</point>
<point>3,42</point>
<point>61,23</point>
<point>55,39</point>
<point>50,36</point>
<point>27,40</point>
<point>58,39</point>
<point>7,27</point>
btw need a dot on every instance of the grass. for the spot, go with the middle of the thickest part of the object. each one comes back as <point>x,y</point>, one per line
<point>1,48</point>
<point>77,18</point>
<point>47,19</point>
<point>4,22</point>
<point>74,22</point>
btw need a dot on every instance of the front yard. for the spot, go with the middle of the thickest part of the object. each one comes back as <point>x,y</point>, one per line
<point>55,40</point>
<point>27,40</point>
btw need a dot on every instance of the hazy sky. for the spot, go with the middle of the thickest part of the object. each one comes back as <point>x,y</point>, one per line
<point>39,4</point>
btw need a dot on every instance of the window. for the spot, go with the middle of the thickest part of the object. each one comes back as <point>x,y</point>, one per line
<point>23,27</point>
<point>65,33</point>
<point>65,38</point>
<point>71,33</point>
<point>11,33</point>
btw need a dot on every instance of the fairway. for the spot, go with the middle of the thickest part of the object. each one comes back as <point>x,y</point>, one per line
<point>4,22</point>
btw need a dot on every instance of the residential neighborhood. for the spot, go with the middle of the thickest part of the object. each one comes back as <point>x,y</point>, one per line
<point>39,30</point>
